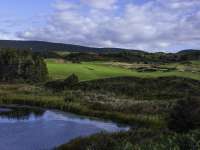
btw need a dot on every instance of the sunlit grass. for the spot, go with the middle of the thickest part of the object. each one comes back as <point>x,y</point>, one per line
<point>98,70</point>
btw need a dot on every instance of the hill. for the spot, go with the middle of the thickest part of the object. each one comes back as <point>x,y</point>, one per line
<point>41,46</point>
<point>189,51</point>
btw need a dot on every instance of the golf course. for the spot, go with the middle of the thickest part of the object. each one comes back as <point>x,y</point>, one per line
<point>59,69</point>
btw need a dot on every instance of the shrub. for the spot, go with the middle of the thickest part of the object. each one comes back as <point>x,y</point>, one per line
<point>71,80</point>
<point>185,115</point>
<point>60,85</point>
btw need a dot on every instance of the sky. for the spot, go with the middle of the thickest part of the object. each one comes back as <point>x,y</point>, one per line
<point>151,25</point>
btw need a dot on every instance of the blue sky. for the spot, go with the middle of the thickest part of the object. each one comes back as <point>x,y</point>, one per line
<point>19,14</point>
<point>25,8</point>
<point>152,25</point>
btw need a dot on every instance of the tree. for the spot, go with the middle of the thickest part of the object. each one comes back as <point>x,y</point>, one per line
<point>185,115</point>
<point>22,65</point>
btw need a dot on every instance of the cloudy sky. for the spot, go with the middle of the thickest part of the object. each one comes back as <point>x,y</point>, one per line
<point>152,25</point>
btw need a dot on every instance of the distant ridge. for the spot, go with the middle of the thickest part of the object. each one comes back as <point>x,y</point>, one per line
<point>42,46</point>
<point>189,51</point>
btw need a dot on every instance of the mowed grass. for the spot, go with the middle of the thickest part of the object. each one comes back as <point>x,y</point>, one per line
<point>85,70</point>
<point>98,70</point>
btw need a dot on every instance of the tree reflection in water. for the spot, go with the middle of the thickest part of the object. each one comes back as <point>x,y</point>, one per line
<point>20,113</point>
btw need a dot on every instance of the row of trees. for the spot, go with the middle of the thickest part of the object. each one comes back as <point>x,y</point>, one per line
<point>22,65</point>
<point>132,56</point>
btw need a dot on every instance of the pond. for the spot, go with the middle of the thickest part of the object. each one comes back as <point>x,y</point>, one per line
<point>26,128</point>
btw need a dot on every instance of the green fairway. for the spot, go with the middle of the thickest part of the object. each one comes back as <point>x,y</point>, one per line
<point>97,70</point>
<point>85,71</point>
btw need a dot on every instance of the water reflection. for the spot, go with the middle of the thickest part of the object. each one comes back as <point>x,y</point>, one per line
<point>25,128</point>
<point>20,113</point>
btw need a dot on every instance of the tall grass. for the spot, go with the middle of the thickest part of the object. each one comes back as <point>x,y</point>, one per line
<point>137,139</point>
<point>56,101</point>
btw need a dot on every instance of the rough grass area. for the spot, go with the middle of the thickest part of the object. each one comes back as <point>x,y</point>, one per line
<point>23,94</point>
<point>58,69</point>
<point>139,139</point>
<point>162,88</point>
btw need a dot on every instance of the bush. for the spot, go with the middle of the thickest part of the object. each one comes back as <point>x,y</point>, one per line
<point>185,116</point>
<point>71,80</point>
<point>60,85</point>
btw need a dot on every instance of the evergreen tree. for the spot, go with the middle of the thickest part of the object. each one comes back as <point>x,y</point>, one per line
<point>22,65</point>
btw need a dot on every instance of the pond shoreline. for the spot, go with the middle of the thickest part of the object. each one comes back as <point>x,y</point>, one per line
<point>63,112</point>
<point>56,127</point>
<point>117,117</point>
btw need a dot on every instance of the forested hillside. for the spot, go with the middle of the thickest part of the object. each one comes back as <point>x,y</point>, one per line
<point>44,47</point>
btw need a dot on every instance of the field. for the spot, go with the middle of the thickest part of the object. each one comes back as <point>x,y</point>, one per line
<point>58,69</point>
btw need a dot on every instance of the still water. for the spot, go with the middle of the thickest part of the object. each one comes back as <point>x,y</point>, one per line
<point>24,128</point>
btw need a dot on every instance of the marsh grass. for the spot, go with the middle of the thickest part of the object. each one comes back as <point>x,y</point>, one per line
<point>37,96</point>
<point>137,139</point>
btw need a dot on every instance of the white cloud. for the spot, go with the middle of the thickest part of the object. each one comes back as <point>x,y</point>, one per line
<point>64,5</point>
<point>5,35</point>
<point>179,4</point>
<point>155,25</point>
<point>101,4</point>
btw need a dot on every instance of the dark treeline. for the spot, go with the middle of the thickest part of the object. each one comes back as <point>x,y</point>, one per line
<point>135,56</point>
<point>20,65</point>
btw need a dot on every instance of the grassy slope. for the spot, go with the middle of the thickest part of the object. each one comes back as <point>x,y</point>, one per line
<point>97,70</point>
